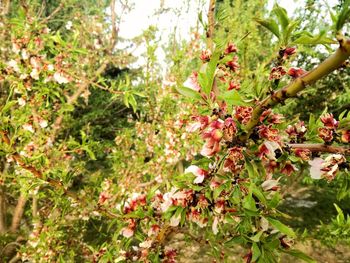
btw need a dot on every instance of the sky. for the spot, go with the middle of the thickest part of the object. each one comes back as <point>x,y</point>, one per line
<point>142,16</point>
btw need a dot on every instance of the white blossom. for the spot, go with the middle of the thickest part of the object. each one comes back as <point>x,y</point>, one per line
<point>60,78</point>
<point>69,25</point>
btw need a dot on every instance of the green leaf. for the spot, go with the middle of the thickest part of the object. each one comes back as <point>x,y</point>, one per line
<point>188,92</point>
<point>343,16</point>
<point>132,102</point>
<point>235,240</point>
<point>259,195</point>
<point>8,106</point>
<point>281,15</point>
<point>281,227</point>
<point>256,237</point>
<point>307,39</point>
<point>90,153</point>
<point>256,252</point>
<point>249,203</point>
<point>251,171</point>
<point>288,32</point>
<point>270,25</point>
<point>340,216</point>
<point>273,203</point>
<point>207,73</point>
<point>298,254</point>
<point>232,97</point>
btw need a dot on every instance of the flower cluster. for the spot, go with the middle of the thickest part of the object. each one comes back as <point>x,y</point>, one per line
<point>330,125</point>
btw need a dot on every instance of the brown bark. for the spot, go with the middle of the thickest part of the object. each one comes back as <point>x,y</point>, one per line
<point>319,147</point>
<point>2,210</point>
<point>18,213</point>
<point>211,24</point>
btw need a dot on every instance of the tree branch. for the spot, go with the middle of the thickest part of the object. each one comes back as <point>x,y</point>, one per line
<point>73,98</point>
<point>211,24</point>
<point>54,12</point>
<point>2,210</point>
<point>52,182</point>
<point>291,90</point>
<point>319,147</point>
<point>18,213</point>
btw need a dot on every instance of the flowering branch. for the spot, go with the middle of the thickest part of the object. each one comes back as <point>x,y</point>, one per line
<point>54,183</point>
<point>73,98</point>
<point>319,147</point>
<point>291,90</point>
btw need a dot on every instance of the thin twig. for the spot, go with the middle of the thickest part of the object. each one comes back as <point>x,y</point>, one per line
<point>54,12</point>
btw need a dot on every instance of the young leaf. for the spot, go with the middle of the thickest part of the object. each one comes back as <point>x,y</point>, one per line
<point>281,227</point>
<point>270,25</point>
<point>210,73</point>
<point>340,216</point>
<point>232,97</point>
<point>343,16</point>
<point>289,30</point>
<point>281,15</point>
<point>314,40</point>
<point>300,255</point>
<point>249,203</point>
<point>188,92</point>
<point>256,252</point>
<point>256,237</point>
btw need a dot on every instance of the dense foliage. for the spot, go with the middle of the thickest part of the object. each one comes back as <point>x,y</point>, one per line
<point>104,160</point>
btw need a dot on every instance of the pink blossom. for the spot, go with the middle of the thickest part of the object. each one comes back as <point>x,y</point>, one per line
<point>229,130</point>
<point>192,82</point>
<point>243,114</point>
<point>214,184</point>
<point>315,168</point>
<point>60,78</point>
<point>345,137</point>
<point>205,55</point>
<point>268,149</point>
<point>200,122</point>
<point>325,134</point>
<point>234,161</point>
<point>198,172</point>
<point>277,73</point>
<point>210,148</point>
<point>175,220</point>
<point>296,72</point>
<point>329,121</point>
<point>288,169</point>
<point>331,164</point>
<point>28,127</point>
<point>268,133</point>
<point>219,206</point>
<point>233,85</point>
<point>153,230</point>
<point>127,232</point>
<point>304,154</point>
<point>289,51</point>
<point>215,225</point>
<point>231,48</point>
<point>233,64</point>
<point>270,185</point>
